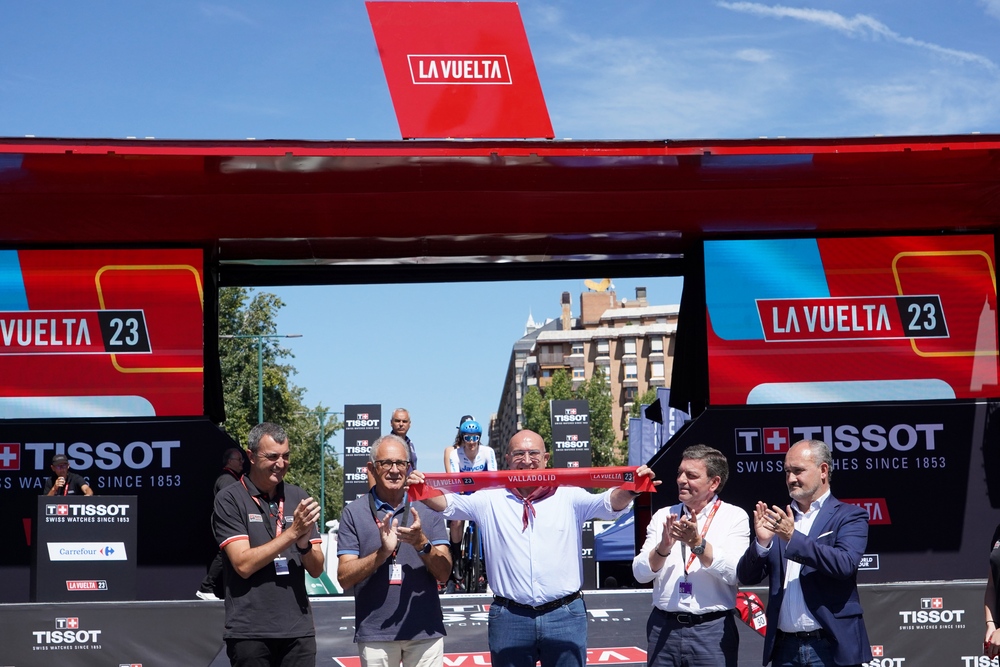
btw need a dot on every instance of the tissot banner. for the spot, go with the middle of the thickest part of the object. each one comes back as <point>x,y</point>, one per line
<point>851,319</point>
<point>85,549</point>
<point>570,421</point>
<point>570,434</point>
<point>918,471</point>
<point>168,465</point>
<point>459,69</point>
<point>362,427</point>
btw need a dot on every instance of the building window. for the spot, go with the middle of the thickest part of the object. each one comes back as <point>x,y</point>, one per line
<point>629,345</point>
<point>630,394</point>
<point>546,373</point>
<point>631,371</point>
<point>656,344</point>
<point>602,346</point>
<point>577,348</point>
<point>578,374</point>
<point>657,369</point>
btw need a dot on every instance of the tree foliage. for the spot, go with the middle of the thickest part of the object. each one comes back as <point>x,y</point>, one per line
<point>245,315</point>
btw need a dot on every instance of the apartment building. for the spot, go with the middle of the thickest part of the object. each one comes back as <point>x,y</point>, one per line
<point>631,340</point>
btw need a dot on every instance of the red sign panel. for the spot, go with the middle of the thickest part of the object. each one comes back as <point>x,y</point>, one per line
<point>617,655</point>
<point>459,69</point>
<point>852,319</point>
<point>100,333</point>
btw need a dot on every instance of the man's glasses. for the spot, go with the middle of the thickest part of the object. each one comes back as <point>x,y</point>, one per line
<point>273,456</point>
<point>526,454</point>
<point>471,437</point>
<point>389,464</point>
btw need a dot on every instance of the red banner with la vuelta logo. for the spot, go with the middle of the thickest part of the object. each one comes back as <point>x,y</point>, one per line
<point>437,483</point>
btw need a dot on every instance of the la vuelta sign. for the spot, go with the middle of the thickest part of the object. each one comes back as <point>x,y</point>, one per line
<point>459,69</point>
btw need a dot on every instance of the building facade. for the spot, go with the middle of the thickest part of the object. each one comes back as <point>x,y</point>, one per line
<point>632,341</point>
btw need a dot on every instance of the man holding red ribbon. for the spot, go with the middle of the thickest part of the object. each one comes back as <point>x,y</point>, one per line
<point>532,535</point>
<point>690,554</point>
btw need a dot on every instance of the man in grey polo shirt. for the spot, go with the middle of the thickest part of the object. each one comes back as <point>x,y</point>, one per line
<point>393,554</point>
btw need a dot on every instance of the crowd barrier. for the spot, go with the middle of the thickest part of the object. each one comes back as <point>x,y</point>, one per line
<point>926,624</point>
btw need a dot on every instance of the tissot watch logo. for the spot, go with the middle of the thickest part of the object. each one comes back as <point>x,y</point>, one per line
<point>459,69</point>
<point>10,456</point>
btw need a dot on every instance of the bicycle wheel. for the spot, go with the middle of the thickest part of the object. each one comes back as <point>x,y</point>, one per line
<point>473,565</point>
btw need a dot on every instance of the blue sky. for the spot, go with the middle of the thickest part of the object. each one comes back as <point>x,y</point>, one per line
<point>650,69</point>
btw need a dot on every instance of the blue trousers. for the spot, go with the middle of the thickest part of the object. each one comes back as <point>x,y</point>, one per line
<point>795,652</point>
<point>522,637</point>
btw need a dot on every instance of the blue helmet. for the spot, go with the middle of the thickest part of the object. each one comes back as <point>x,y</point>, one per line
<point>471,426</point>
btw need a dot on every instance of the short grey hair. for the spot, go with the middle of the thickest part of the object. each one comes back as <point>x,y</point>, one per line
<point>265,428</point>
<point>388,438</point>
<point>821,454</point>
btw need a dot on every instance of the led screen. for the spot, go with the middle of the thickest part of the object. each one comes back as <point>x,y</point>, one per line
<point>101,333</point>
<point>851,319</point>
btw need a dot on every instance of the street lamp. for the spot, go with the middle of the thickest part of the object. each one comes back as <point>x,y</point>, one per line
<point>260,364</point>
<point>321,441</point>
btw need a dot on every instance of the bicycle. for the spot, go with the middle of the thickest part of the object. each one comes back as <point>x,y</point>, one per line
<point>470,569</point>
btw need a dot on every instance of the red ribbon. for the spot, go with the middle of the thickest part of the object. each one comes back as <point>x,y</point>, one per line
<point>437,483</point>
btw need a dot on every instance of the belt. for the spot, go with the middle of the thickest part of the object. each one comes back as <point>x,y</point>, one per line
<point>686,618</point>
<point>548,606</point>
<point>811,635</point>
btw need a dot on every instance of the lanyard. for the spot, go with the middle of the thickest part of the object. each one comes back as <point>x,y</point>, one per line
<point>280,520</point>
<point>704,531</point>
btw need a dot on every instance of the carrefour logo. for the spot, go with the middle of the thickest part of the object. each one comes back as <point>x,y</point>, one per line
<point>76,551</point>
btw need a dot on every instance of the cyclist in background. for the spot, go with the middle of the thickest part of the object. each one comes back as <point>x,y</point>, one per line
<point>467,455</point>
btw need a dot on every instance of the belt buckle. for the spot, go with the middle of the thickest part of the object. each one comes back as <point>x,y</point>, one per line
<point>685,618</point>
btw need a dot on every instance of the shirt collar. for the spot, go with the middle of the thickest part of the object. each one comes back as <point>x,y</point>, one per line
<point>707,508</point>
<point>813,506</point>
<point>381,505</point>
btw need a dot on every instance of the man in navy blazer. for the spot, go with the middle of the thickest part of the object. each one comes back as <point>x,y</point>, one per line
<point>810,552</point>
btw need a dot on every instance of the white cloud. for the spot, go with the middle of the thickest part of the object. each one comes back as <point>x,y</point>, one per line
<point>992,7</point>
<point>860,25</point>
<point>224,13</point>
<point>753,55</point>
<point>928,103</point>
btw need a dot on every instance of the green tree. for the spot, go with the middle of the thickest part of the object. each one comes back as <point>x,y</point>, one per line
<point>535,408</point>
<point>603,447</point>
<point>648,397</point>
<point>243,312</point>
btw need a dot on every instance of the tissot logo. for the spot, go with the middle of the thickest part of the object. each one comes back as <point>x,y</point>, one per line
<point>56,510</point>
<point>459,69</point>
<point>10,456</point>
<point>845,438</point>
<point>931,613</point>
<point>362,415</point>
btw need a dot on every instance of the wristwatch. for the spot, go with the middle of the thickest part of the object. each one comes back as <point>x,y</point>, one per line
<point>426,549</point>
<point>699,550</point>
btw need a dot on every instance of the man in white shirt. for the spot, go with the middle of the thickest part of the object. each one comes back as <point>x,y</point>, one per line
<point>532,538</point>
<point>814,616</point>
<point>690,553</point>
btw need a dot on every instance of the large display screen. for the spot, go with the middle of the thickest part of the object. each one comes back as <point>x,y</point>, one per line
<point>851,319</point>
<point>101,333</point>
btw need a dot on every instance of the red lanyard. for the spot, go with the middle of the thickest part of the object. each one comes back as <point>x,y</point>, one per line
<point>704,531</point>
<point>280,521</point>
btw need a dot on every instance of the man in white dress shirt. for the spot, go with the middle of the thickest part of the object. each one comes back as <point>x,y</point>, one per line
<point>532,539</point>
<point>690,553</point>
